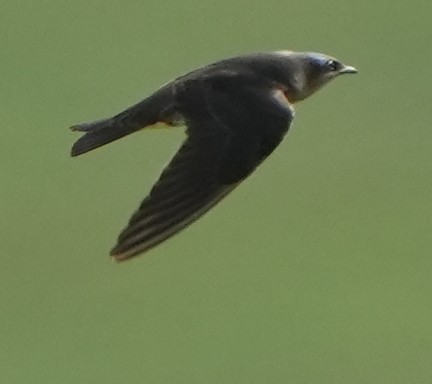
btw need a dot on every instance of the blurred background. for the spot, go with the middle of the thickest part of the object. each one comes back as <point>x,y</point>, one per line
<point>316,270</point>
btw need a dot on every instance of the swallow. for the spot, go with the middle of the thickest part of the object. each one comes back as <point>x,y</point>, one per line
<point>236,112</point>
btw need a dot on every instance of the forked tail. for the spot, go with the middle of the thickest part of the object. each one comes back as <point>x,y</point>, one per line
<point>141,115</point>
<point>99,133</point>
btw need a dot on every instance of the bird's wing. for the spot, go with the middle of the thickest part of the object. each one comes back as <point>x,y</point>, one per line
<point>229,134</point>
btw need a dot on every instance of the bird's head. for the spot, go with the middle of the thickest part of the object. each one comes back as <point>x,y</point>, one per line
<point>307,72</point>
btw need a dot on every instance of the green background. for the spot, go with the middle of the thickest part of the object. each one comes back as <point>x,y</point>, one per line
<point>316,270</point>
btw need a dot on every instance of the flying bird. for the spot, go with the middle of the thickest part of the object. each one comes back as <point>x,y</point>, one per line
<point>236,112</point>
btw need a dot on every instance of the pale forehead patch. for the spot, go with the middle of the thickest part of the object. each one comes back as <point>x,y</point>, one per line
<point>284,52</point>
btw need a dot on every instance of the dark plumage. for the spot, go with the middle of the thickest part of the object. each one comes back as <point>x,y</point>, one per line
<point>236,112</point>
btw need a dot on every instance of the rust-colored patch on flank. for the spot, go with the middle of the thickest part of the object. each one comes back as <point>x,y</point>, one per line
<point>160,125</point>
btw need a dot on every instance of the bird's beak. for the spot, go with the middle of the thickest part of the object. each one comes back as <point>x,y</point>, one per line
<point>347,69</point>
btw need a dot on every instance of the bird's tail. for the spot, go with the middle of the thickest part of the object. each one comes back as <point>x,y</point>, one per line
<point>99,133</point>
<point>141,115</point>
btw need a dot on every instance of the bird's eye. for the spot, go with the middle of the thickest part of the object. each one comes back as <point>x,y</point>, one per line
<point>332,65</point>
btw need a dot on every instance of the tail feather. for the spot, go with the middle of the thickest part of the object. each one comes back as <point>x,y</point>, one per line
<point>145,113</point>
<point>99,133</point>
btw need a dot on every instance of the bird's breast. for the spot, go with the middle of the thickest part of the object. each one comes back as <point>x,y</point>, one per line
<point>282,98</point>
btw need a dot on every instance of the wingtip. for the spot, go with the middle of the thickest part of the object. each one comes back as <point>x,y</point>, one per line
<point>118,256</point>
<point>122,252</point>
<point>116,259</point>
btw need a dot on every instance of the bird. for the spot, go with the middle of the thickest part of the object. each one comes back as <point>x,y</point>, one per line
<point>236,111</point>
